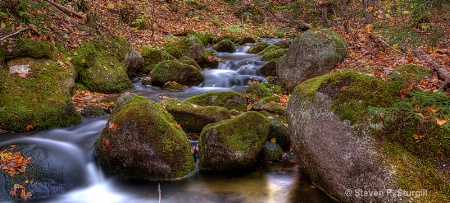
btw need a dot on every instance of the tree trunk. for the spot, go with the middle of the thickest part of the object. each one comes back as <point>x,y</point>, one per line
<point>324,17</point>
<point>368,13</point>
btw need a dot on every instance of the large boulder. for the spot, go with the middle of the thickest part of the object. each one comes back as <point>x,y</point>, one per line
<point>229,100</point>
<point>192,117</point>
<point>151,57</point>
<point>181,73</point>
<point>46,170</point>
<point>233,144</point>
<point>190,46</point>
<point>98,70</point>
<point>36,94</point>
<point>344,147</point>
<point>314,53</point>
<point>224,46</point>
<point>258,47</point>
<point>143,141</point>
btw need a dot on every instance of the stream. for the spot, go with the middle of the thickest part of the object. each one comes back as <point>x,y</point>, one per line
<point>265,183</point>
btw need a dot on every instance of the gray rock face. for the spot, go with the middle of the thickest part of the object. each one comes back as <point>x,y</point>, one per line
<point>314,53</point>
<point>233,144</point>
<point>181,73</point>
<point>333,154</point>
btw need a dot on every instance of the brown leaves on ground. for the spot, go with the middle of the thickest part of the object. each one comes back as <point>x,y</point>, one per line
<point>83,98</point>
<point>22,192</point>
<point>12,162</point>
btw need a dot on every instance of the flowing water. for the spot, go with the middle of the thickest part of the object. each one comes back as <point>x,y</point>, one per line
<point>277,183</point>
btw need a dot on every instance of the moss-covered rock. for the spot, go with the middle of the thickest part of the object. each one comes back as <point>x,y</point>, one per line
<point>152,57</point>
<point>347,122</point>
<point>37,93</point>
<point>224,46</point>
<point>142,141</point>
<point>274,55</point>
<point>28,47</point>
<point>269,69</point>
<point>189,61</point>
<point>270,152</point>
<point>189,46</point>
<point>172,85</point>
<point>92,111</point>
<point>181,73</point>
<point>255,91</point>
<point>284,44</point>
<point>270,104</point>
<point>192,117</point>
<point>233,144</point>
<point>229,100</point>
<point>278,129</point>
<point>258,47</point>
<point>268,49</point>
<point>312,54</point>
<point>99,71</point>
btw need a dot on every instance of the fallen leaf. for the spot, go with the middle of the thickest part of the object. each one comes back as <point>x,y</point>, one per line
<point>249,107</point>
<point>107,144</point>
<point>29,127</point>
<point>274,140</point>
<point>112,125</point>
<point>431,110</point>
<point>440,121</point>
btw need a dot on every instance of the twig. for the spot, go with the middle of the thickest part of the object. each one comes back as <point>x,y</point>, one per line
<point>373,36</point>
<point>442,72</point>
<point>14,33</point>
<point>62,8</point>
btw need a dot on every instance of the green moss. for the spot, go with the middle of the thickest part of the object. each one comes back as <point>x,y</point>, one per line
<point>189,61</point>
<point>193,118</point>
<point>257,90</point>
<point>341,43</point>
<point>229,100</point>
<point>258,47</point>
<point>268,49</point>
<point>183,74</point>
<point>172,85</point>
<point>29,47</point>
<point>271,152</point>
<point>273,55</point>
<point>183,47</point>
<point>224,46</point>
<point>41,100</point>
<point>157,133</point>
<point>99,71</point>
<point>151,58</point>
<point>206,38</point>
<point>408,72</point>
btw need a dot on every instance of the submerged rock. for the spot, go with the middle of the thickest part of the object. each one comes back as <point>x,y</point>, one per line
<point>192,117</point>
<point>312,54</point>
<point>36,94</point>
<point>143,141</point>
<point>233,144</point>
<point>53,170</point>
<point>271,152</point>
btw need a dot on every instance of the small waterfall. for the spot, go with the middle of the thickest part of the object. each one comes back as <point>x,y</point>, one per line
<point>94,173</point>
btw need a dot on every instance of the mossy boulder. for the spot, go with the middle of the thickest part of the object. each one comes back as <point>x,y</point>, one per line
<point>229,100</point>
<point>172,85</point>
<point>133,62</point>
<point>192,117</point>
<point>37,93</point>
<point>27,47</point>
<point>175,71</point>
<point>151,57</point>
<point>189,61</point>
<point>284,44</point>
<point>345,127</point>
<point>92,111</point>
<point>54,170</point>
<point>269,69</point>
<point>268,49</point>
<point>270,152</point>
<point>190,46</point>
<point>278,129</point>
<point>312,54</point>
<point>270,104</point>
<point>258,47</point>
<point>255,91</point>
<point>274,55</point>
<point>98,70</point>
<point>142,141</point>
<point>233,144</point>
<point>224,46</point>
